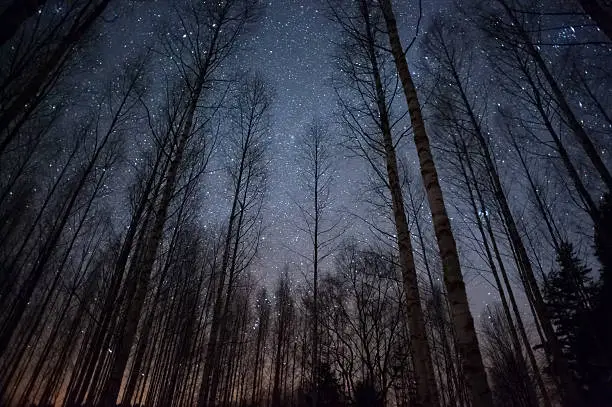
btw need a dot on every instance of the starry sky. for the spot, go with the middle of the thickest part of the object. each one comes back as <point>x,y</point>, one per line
<point>292,47</point>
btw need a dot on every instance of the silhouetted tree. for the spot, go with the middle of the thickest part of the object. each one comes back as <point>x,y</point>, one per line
<point>570,294</point>
<point>317,174</point>
<point>510,376</point>
<point>367,78</point>
<point>247,155</point>
<point>366,394</point>
<point>480,393</point>
<point>328,388</point>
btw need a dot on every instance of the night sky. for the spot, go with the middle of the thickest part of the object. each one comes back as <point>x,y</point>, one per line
<point>292,47</point>
<point>130,255</point>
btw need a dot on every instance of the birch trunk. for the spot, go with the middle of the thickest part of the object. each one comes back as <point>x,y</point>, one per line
<point>473,366</point>
<point>421,354</point>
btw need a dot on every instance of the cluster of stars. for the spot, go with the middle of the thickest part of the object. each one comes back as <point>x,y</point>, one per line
<point>293,48</point>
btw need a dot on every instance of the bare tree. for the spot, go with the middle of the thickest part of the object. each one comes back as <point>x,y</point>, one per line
<point>285,311</point>
<point>372,86</point>
<point>507,21</point>
<point>248,158</point>
<point>453,278</point>
<point>510,376</point>
<point>37,65</point>
<point>104,133</point>
<point>316,154</point>
<point>210,33</point>
<point>263,307</point>
<point>459,115</point>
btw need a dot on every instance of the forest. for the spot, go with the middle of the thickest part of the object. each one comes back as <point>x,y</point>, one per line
<point>472,267</point>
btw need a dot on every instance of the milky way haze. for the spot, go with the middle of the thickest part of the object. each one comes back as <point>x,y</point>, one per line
<point>294,46</point>
<point>160,244</point>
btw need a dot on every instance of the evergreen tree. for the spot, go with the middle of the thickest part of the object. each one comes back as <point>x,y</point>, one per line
<point>327,389</point>
<point>367,395</point>
<point>569,294</point>
<point>600,320</point>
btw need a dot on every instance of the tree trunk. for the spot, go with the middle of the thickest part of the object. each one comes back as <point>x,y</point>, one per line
<point>421,354</point>
<point>531,286</point>
<point>492,170</point>
<point>30,96</point>
<point>473,366</point>
<point>206,397</point>
<point>513,330</point>
<point>591,207</point>
<point>113,383</point>
<point>434,343</point>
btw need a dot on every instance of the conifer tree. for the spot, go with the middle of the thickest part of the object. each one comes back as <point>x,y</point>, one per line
<point>366,395</point>
<point>328,388</point>
<point>600,321</point>
<point>569,292</point>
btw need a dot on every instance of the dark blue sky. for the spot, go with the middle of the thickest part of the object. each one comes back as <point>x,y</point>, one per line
<point>292,47</point>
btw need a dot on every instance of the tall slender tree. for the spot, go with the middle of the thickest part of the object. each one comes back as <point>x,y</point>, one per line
<point>453,278</point>
<point>369,79</point>
<point>316,154</point>
<point>248,157</point>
